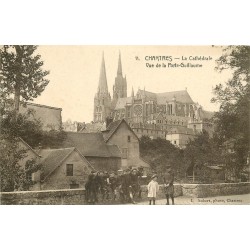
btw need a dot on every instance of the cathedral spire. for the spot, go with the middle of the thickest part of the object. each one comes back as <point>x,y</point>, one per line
<point>119,70</point>
<point>103,86</point>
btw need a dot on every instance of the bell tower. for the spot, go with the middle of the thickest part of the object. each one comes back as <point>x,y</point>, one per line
<point>102,100</point>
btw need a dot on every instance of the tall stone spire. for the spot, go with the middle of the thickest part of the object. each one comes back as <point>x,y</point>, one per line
<point>119,70</point>
<point>103,85</point>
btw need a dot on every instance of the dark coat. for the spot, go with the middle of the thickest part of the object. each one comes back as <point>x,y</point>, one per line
<point>168,179</point>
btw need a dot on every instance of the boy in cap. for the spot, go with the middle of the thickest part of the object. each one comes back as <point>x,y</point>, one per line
<point>153,188</point>
<point>169,185</point>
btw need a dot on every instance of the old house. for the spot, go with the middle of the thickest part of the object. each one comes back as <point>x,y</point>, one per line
<point>64,168</point>
<point>115,148</point>
<point>101,155</point>
<point>180,136</point>
<point>120,133</point>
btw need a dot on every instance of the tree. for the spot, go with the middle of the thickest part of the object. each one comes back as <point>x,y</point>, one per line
<point>232,120</point>
<point>200,152</point>
<point>161,154</point>
<point>14,125</point>
<point>21,72</point>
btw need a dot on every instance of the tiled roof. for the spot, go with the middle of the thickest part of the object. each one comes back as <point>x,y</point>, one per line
<point>92,127</point>
<point>112,128</point>
<point>28,146</point>
<point>91,144</point>
<point>52,158</point>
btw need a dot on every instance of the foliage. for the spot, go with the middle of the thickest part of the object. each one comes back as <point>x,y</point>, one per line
<point>21,73</point>
<point>161,155</point>
<point>202,150</point>
<point>13,175</point>
<point>26,126</point>
<point>232,120</point>
<point>14,124</point>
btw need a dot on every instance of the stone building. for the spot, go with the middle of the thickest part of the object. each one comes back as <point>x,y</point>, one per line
<point>51,117</point>
<point>120,133</point>
<point>63,168</point>
<point>148,113</point>
<point>180,136</point>
<point>115,147</point>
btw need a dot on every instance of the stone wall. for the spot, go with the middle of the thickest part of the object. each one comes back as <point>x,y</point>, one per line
<point>77,196</point>
<point>52,197</point>
<point>62,197</point>
<point>220,189</point>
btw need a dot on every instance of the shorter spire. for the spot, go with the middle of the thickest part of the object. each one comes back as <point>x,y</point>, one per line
<point>132,93</point>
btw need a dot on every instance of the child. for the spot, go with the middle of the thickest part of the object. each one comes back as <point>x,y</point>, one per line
<point>153,188</point>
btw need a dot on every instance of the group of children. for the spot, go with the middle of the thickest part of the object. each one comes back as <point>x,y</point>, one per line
<point>124,185</point>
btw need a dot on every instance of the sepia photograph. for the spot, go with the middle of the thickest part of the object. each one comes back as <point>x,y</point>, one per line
<point>124,125</point>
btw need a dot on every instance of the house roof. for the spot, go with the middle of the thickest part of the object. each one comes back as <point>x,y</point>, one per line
<point>92,127</point>
<point>181,96</point>
<point>28,146</point>
<point>42,106</point>
<point>112,127</point>
<point>53,158</point>
<point>91,144</point>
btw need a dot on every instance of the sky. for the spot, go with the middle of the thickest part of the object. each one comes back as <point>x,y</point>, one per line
<point>74,74</point>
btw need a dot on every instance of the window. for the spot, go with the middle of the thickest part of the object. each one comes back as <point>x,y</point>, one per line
<point>170,109</point>
<point>69,169</point>
<point>29,176</point>
<point>73,185</point>
<point>124,153</point>
<point>174,142</point>
<point>128,138</point>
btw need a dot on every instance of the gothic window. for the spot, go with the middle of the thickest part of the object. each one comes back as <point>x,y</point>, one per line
<point>170,109</point>
<point>138,110</point>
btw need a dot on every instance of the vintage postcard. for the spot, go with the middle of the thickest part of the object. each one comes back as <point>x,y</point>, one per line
<point>138,125</point>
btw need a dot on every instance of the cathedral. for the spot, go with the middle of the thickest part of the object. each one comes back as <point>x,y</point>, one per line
<point>148,113</point>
